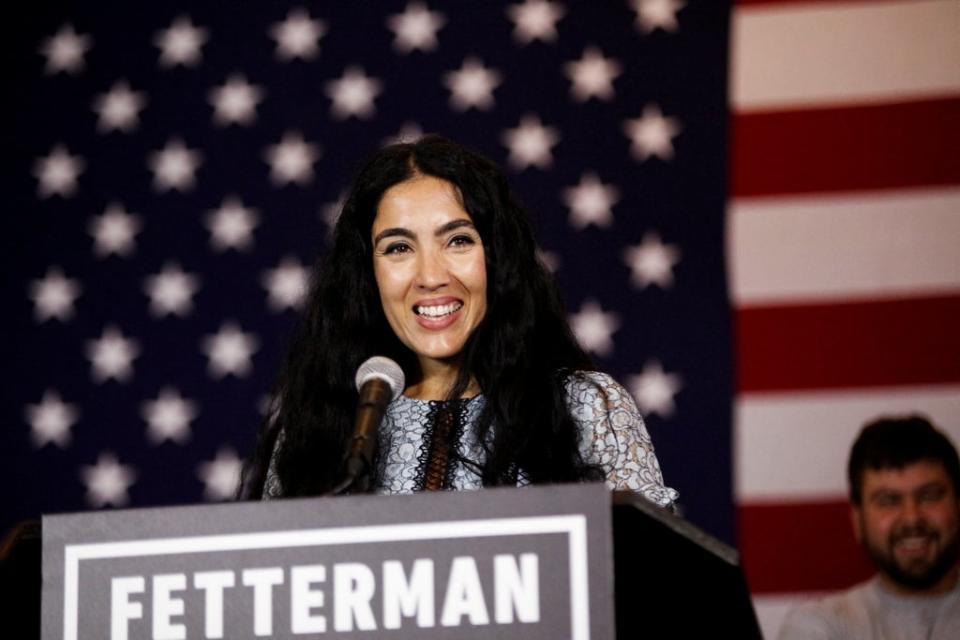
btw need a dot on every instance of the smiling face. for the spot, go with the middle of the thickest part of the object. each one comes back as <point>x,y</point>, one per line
<point>428,260</point>
<point>908,522</point>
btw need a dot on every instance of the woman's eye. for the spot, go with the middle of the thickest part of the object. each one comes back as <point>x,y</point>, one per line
<point>397,248</point>
<point>462,241</point>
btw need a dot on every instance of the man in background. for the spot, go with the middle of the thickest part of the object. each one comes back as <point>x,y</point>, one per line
<point>905,499</point>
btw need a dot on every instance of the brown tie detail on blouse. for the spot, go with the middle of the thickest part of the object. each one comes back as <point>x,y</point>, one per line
<point>438,462</point>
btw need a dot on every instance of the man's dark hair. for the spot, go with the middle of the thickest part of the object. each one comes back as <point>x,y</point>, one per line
<point>893,442</point>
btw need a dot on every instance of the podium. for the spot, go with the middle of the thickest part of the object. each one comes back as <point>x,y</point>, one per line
<point>673,580</point>
<point>537,562</point>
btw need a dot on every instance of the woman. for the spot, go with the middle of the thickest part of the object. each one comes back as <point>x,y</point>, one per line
<point>433,264</point>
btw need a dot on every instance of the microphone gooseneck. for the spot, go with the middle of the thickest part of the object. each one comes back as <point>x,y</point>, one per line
<point>379,380</point>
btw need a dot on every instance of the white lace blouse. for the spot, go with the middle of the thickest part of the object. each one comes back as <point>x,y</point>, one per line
<point>613,437</point>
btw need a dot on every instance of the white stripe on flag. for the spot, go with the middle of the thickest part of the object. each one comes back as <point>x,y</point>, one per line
<point>843,53</point>
<point>794,446</point>
<point>844,247</point>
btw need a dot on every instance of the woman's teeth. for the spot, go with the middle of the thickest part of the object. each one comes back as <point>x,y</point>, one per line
<point>438,310</point>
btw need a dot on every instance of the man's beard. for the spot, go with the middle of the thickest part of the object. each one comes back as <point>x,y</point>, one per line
<point>917,574</point>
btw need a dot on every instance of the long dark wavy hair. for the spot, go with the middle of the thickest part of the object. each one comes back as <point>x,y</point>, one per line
<point>520,355</point>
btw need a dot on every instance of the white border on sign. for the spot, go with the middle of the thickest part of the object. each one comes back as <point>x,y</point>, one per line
<point>575,526</point>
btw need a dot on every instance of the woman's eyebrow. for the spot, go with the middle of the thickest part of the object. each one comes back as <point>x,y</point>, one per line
<point>394,231</point>
<point>441,230</point>
<point>453,224</point>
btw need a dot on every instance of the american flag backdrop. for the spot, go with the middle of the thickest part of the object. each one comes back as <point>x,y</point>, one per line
<point>173,170</point>
<point>844,261</point>
<point>177,166</point>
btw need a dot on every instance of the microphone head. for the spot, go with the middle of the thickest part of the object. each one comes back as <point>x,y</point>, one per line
<point>383,368</point>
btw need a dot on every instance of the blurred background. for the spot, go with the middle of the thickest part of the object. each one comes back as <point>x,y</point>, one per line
<point>753,212</point>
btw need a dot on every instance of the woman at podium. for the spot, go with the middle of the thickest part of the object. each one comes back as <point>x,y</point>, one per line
<point>434,266</point>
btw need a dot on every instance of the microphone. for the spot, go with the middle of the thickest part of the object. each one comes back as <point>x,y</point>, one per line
<point>379,380</point>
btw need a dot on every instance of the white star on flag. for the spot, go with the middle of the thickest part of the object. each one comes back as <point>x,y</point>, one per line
<point>298,36</point>
<point>107,481</point>
<point>652,134</point>
<point>64,51</point>
<point>111,356</point>
<point>119,108</point>
<point>221,476</point>
<point>415,28</point>
<point>592,75</point>
<point>535,20</point>
<point>594,328</point>
<point>57,173</point>
<point>181,43</point>
<point>235,102</point>
<point>291,160</point>
<point>654,389</point>
<point>53,296</point>
<point>231,226</point>
<point>657,14</point>
<point>171,291</point>
<point>168,417</point>
<point>229,351</point>
<point>590,202</point>
<point>472,85</point>
<point>286,285</point>
<point>174,165</point>
<point>651,262</point>
<point>353,94</point>
<point>113,232</point>
<point>50,421</point>
<point>530,143</point>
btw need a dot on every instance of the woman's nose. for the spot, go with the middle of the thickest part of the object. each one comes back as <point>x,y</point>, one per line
<point>432,272</point>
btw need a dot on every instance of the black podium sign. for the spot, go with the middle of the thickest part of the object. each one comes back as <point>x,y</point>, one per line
<point>532,563</point>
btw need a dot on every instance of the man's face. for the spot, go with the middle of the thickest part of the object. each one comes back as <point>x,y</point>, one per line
<point>908,522</point>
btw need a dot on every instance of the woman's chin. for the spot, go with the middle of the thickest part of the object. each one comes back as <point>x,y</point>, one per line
<point>442,358</point>
<point>445,355</point>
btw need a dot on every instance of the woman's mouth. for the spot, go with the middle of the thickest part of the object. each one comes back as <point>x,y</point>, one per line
<point>437,311</point>
<point>439,315</point>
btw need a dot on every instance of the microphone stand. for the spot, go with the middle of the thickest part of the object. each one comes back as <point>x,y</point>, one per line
<point>375,394</point>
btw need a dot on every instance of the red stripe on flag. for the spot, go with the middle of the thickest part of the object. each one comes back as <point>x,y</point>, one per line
<point>800,547</point>
<point>823,346</point>
<point>846,149</point>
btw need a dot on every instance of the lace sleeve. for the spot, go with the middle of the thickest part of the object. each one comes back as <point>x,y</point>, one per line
<point>614,436</point>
